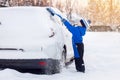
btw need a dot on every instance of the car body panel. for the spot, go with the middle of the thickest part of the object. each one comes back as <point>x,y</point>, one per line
<point>21,28</point>
<point>29,35</point>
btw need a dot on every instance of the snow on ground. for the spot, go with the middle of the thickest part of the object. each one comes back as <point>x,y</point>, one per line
<point>102,59</point>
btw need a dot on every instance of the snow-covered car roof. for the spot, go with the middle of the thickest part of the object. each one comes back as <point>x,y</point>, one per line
<point>25,22</point>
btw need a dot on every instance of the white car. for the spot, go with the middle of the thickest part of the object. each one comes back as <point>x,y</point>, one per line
<point>30,39</point>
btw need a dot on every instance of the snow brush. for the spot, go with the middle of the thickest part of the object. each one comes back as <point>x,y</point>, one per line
<point>83,22</point>
<point>52,12</point>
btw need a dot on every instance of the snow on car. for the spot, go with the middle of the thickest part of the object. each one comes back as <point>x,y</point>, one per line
<point>30,39</point>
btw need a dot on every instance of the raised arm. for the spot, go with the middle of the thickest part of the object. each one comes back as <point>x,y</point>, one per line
<point>68,25</point>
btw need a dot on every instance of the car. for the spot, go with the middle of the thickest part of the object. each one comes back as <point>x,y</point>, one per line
<point>31,40</point>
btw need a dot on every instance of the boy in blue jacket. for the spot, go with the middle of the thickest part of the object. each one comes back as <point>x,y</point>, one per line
<point>77,42</point>
<point>77,39</point>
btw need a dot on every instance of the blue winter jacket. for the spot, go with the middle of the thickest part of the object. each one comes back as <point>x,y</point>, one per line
<point>77,33</point>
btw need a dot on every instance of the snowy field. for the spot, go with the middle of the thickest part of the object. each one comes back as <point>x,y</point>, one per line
<point>102,59</point>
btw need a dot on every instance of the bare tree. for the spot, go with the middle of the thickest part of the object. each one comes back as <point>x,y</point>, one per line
<point>103,12</point>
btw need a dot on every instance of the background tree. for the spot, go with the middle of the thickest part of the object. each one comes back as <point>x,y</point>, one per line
<point>104,12</point>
